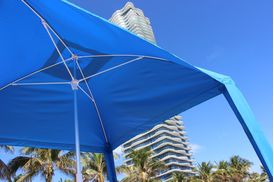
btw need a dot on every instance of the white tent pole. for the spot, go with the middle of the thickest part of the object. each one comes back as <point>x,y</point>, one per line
<point>74,85</point>
<point>112,68</point>
<point>77,140</point>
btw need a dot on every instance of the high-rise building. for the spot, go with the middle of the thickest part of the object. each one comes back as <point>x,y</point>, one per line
<point>169,144</point>
<point>167,140</point>
<point>134,20</point>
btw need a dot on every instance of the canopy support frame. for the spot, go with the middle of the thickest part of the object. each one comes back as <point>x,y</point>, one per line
<point>77,138</point>
<point>247,120</point>
<point>250,126</point>
<point>111,172</point>
<point>74,86</point>
<point>92,98</point>
<point>56,47</point>
<point>139,57</point>
<point>112,68</point>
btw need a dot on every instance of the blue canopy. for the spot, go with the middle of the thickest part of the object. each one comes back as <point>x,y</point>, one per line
<point>61,64</point>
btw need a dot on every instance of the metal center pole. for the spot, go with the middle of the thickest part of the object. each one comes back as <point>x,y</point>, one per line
<point>74,85</point>
<point>77,140</point>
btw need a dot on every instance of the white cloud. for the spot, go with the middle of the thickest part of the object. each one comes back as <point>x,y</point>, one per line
<point>195,148</point>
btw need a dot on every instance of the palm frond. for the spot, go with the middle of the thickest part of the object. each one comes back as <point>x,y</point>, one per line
<point>144,167</point>
<point>7,148</point>
<point>17,162</point>
<point>27,150</point>
<point>34,164</point>
<point>54,154</point>
<point>27,177</point>
<point>4,170</point>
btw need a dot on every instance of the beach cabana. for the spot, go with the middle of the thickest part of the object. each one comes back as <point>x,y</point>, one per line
<point>71,80</point>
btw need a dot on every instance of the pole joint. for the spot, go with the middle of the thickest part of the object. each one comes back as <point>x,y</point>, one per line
<point>74,84</point>
<point>74,57</point>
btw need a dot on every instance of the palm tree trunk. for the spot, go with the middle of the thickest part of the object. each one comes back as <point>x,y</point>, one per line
<point>101,178</point>
<point>48,180</point>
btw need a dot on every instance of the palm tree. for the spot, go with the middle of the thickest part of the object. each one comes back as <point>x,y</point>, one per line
<point>45,162</point>
<point>255,177</point>
<point>131,173</point>
<point>94,167</point>
<point>7,171</point>
<point>179,177</point>
<point>239,168</point>
<point>4,170</point>
<point>144,167</point>
<point>222,174</point>
<point>205,171</point>
<point>263,175</point>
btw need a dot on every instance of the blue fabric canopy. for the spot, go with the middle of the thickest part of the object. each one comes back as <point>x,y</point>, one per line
<point>51,50</point>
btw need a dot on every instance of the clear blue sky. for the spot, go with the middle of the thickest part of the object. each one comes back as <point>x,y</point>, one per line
<point>230,37</point>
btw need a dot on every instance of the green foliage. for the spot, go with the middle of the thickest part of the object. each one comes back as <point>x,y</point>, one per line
<point>7,148</point>
<point>94,167</point>
<point>239,168</point>
<point>45,162</point>
<point>205,171</point>
<point>179,177</point>
<point>144,168</point>
<point>7,171</point>
<point>234,170</point>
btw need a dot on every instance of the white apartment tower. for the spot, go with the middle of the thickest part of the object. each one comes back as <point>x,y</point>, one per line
<point>167,140</point>
<point>134,20</point>
<point>169,144</point>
